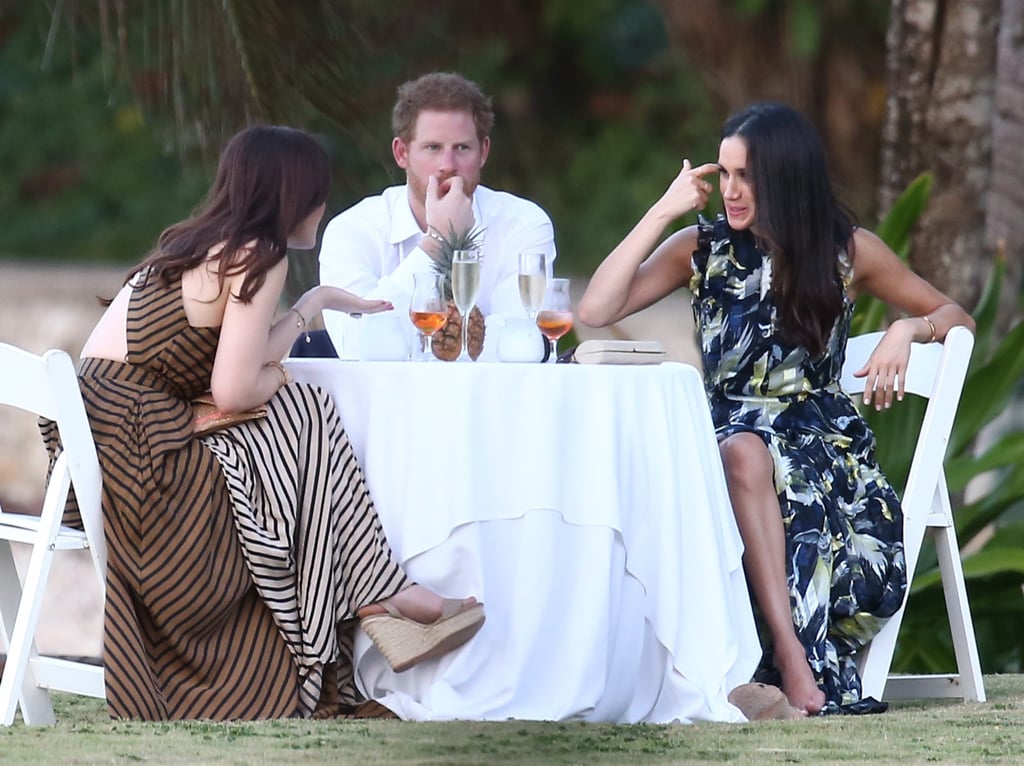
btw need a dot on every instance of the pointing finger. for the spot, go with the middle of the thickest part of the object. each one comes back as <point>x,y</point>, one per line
<point>706,168</point>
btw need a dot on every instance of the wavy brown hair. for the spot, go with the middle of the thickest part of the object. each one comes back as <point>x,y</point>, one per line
<point>440,92</point>
<point>798,219</point>
<point>269,179</point>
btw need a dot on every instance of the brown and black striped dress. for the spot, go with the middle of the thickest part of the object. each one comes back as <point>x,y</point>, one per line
<point>236,561</point>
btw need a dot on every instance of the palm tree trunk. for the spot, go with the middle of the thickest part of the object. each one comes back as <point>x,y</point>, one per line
<point>1005,223</point>
<point>940,115</point>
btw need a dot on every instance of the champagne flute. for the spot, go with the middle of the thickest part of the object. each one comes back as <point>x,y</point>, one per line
<point>465,286</point>
<point>428,309</point>
<point>555,316</point>
<point>533,274</point>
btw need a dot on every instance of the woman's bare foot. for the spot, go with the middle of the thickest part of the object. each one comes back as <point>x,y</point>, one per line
<point>415,602</point>
<point>798,681</point>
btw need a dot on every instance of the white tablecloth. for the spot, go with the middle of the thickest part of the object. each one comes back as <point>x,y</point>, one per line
<point>585,505</point>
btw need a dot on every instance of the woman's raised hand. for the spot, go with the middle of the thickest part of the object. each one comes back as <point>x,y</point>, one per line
<point>689,190</point>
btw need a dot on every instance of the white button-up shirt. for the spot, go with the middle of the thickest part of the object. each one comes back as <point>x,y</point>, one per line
<point>372,249</point>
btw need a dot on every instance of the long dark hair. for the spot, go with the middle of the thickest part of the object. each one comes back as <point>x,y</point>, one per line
<point>269,180</point>
<point>797,219</point>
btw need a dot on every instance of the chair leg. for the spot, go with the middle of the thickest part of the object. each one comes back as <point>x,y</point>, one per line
<point>10,597</point>
<point>961,625</point>
<point>967,683</point>
<point>19,612</point>
<point>876,658</point>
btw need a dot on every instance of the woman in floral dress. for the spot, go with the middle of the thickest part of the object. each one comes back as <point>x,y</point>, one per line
<point>774,281</point>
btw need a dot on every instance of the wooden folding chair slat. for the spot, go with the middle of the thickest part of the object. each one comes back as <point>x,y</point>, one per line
<point>46,385</point>
<point>936,372</point>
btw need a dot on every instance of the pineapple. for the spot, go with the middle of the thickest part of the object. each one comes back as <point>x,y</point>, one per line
<point>447,342</point>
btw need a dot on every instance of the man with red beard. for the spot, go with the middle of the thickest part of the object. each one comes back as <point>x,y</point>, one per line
<point>441,124</point>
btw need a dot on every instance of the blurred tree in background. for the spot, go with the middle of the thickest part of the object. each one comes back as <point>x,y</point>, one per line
<point>86,176</point>
<point>597,102</point>
<point>956,110</point>
<point>825,58</point>
<point>114,111</point>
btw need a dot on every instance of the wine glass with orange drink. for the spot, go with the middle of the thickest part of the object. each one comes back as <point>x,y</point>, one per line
<point>428,309</point>
<point>555,316</point>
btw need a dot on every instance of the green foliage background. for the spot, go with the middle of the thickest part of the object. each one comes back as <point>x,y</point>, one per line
<point>85,177</point>
<point>982,447</point>
<point>593,120</point>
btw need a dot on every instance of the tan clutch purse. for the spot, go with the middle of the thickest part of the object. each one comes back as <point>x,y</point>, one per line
<point>206,418</point>
<point>619,352</point>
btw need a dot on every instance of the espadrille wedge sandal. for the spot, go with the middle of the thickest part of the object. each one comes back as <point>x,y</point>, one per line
<point>405,642</point>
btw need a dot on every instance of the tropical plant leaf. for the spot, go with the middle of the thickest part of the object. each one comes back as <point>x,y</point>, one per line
<point>1005,494</point>
<point>895,230</point>
<point>988,389</point>
<point>898,225</point>
<point>985,563</point>
<point>987,311</point>
<point>1007,451</point>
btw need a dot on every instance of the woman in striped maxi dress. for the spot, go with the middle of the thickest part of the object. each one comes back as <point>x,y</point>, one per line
<point>239,561</point>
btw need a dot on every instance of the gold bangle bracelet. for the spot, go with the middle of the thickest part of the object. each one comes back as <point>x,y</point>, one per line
<point>301,324</point>
<point>931,326</point>
<point>286,376</point>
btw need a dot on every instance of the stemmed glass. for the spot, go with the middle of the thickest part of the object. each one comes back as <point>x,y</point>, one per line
<point>533,274</point>
<point>465,286</point>
<point>555,317</point>
<point>428,309</point>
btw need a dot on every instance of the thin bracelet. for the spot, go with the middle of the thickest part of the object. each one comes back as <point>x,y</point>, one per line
<point>301,324</point>
<point>286,376</point>
<point>931,326</point>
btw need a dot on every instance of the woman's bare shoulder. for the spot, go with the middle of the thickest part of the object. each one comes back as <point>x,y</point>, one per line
<point>680,245</point>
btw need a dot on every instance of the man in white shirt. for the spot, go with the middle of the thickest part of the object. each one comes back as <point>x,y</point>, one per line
<point>442,124</point>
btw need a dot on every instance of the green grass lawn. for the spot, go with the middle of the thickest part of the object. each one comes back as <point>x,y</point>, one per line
<point>919,732</point>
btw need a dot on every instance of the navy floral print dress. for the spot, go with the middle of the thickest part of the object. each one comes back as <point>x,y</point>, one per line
<point>844,527</point>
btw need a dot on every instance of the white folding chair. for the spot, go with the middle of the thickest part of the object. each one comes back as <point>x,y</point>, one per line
<point>46,385</point>
<point>936,372</point>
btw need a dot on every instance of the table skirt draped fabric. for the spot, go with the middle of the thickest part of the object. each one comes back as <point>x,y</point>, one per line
<point>586,506</point>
